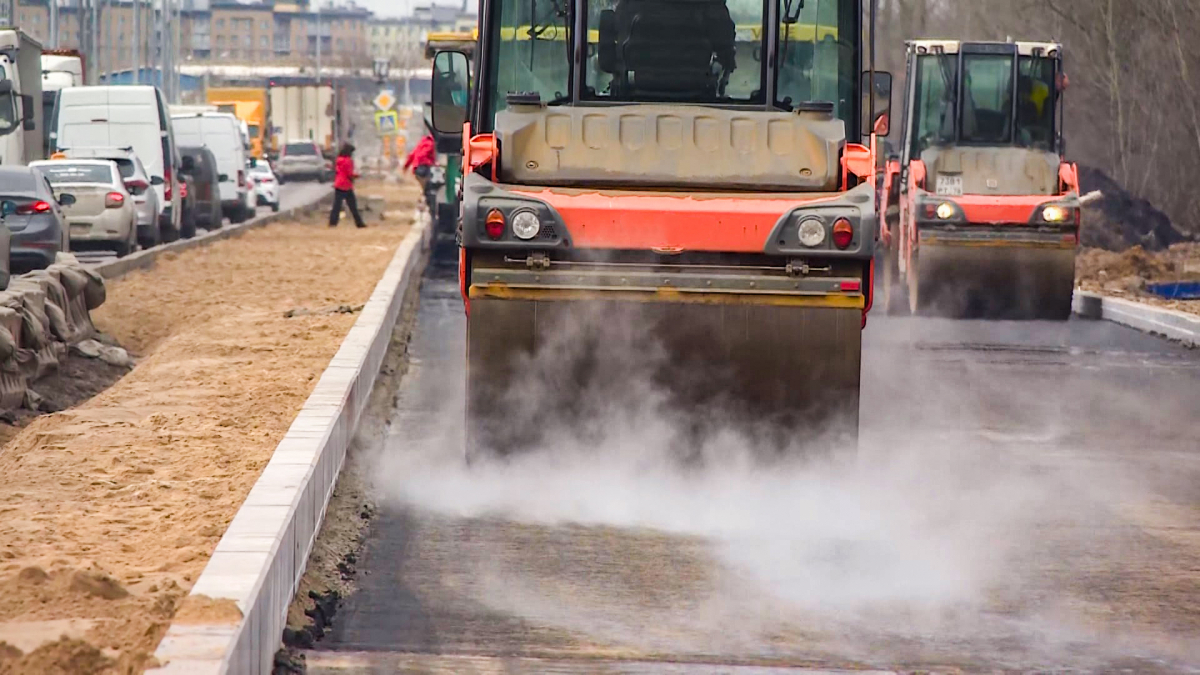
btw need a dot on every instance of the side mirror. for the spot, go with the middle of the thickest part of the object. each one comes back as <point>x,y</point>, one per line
<point>253,162</point>
<point>157,180</point>
<point>66,199</point>
<point>6,87</point>
<point>881,91</point>
<point>223,178</point>
<point>28,121</point>
<point>450,91</point>
<point>7,208</point>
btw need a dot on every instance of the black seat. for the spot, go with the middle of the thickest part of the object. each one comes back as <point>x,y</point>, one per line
<point>666,48</point>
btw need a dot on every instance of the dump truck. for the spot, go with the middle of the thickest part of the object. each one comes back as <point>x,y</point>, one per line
<point>701,174</point>
<point>306,110</point>
<point>981,209</point>
<point>22,126</point>
<point>250,105</point>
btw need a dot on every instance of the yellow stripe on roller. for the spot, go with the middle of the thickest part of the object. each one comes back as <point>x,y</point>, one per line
<point>829,301</point>
<point>995,243</point>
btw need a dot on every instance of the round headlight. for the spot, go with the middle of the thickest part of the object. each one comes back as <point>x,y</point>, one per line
<point>1054,214</point>
<point>812,232</point>
<point>945,211</point>
<point>526,225</point>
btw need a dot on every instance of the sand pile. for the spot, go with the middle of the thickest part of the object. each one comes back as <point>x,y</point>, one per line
<point>109,511</point>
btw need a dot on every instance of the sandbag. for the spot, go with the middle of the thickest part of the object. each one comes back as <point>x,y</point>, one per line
<point>96,293</point>
<point>8,344</point>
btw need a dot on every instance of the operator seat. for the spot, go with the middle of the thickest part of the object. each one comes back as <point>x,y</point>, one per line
<point>665,48</point>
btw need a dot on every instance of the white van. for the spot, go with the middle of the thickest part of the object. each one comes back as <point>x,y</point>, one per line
<point>125,117</point>
<point>222,135</point>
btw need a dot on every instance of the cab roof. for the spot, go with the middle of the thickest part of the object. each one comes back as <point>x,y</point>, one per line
<point>954,46</point>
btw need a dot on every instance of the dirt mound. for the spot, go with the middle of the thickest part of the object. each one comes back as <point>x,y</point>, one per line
<point>1120,220</point>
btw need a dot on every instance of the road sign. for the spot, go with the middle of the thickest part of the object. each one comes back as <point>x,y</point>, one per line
<point>387,122</point>
<point>384,100</point>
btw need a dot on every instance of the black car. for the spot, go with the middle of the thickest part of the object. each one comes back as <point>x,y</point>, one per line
<point>200,167</point>
<point>37,226</point>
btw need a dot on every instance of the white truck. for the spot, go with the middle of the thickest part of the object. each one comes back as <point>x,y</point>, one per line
<point>61,68</point>
<point>21,122</point>
<point>310,112</point>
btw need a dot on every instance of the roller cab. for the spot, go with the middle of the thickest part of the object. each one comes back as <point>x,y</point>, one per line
<point>653,213</point>
<point>981,211</point>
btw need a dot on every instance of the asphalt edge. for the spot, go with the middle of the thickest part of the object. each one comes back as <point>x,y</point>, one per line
<point>1169,323</point>
<point>259,561</point>
<point>144,259</point>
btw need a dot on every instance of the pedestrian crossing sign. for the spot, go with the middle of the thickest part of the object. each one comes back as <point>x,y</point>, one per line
<point>387,122</point>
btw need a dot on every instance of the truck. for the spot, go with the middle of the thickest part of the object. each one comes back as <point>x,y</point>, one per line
<point>251,106</point>
<point>306,110</point>
<point>22,123</point>
<point>981,208</point>
<point>698,202</point>
<point>61,68</point>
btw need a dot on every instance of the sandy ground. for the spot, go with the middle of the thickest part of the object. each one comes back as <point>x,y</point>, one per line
<point>1126,274</point>
<point>109,511</point>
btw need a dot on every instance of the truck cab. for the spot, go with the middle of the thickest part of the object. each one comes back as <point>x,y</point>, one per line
<point>21,122</point>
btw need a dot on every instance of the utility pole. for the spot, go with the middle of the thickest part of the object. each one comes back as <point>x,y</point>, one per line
<point>137,42</point>
<point>53,41</point>
<point>318,3</point>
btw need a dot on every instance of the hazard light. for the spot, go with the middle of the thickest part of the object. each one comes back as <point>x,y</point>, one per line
<point>1056,214</point>
<point>843,233</point>
<point>494,223</point>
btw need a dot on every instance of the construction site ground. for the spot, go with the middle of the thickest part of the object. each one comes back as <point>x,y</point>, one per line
<point>1023,497</point>
<point>1125,274</point>
<point>110,509</point>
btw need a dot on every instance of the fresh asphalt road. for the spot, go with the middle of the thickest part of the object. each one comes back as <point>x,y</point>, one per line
<point>1025,496</point>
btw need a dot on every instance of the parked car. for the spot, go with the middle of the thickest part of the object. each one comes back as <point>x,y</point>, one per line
<point>37,229</point>
<point>221,133</point>
<point>101,213</point>
<point>266,184</point>
<point>200,165</point>
<point>138,182</point>
<point>122,116</point>
<point>301,160</point>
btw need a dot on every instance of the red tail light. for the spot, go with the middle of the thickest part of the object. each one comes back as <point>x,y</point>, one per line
<point>843,233</point>
<point>136,187</point>
<point>494,224</point>
<point>35,207</point>
<point>167,176</point>
<point>113,200</point>
<point>183,189</point>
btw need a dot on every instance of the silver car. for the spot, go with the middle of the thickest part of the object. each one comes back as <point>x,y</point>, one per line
<point>138,182</point>
<point>301,160</point>
<point>102,215</point>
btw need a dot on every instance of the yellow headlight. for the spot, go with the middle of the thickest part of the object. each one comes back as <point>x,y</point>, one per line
<point>1054,214</point>
<point>945,211</point>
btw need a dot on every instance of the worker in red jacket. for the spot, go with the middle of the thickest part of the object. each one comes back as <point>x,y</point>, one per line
<point>343,187</point>
<point>422,159</point>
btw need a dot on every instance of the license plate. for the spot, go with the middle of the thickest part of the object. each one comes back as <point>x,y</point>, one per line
<point>950,186</point>
<point>82,228</point>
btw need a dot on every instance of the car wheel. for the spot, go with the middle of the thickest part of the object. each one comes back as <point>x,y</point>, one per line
<point>188,227</point>
<point>275,207</point>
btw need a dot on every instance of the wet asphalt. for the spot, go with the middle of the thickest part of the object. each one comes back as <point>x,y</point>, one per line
<point>1026,496</point>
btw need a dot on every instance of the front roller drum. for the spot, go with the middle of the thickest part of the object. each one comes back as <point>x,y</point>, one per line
<point>992,282</point>
<point>539,371</point>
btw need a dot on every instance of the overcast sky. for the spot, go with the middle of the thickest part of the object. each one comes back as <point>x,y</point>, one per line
<point>394,8</point>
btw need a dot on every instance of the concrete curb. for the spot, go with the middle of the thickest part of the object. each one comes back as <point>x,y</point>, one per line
<point>114,269</point>
<point>1169,323</point>
<point>261,557</point>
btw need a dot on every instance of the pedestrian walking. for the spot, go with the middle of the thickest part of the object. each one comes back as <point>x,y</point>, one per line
<point>343,187</point>
<point>422,160</point>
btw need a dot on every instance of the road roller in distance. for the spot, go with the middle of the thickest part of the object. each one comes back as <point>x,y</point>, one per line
<point>980,209</point>
<point>700,173</point>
